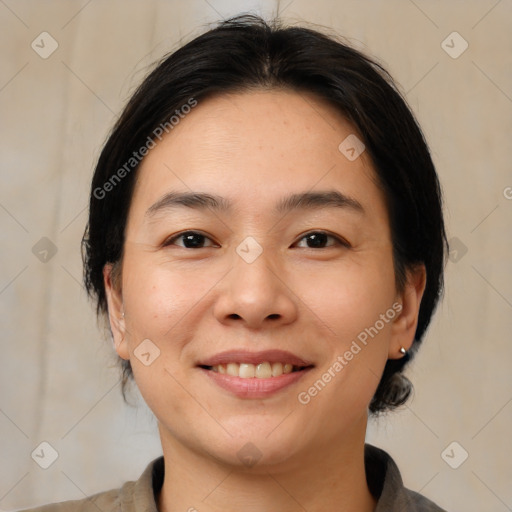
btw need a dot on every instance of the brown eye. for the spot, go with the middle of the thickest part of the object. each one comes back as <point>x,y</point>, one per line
<point>319,240</point>
<point>190,240</point>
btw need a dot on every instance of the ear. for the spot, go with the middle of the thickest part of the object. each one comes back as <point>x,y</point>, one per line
<point>404,326</point>
<point>115,310</point>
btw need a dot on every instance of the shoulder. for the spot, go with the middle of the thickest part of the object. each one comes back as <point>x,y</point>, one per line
<point>385,483</point>
<point>416,502</point>
<point>133,496</point>
<point>105,501</point>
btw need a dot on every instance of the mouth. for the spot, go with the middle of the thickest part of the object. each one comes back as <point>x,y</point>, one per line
<point>264,370</point>
<point>259,365</point>
<point>255,374</point>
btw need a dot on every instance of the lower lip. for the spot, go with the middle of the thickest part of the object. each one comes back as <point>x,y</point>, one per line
<point>254,387</point>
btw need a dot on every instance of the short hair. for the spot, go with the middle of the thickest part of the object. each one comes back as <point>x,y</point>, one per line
<point>246,53</point>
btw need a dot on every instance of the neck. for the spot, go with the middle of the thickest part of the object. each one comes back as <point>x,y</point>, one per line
<point>331,478</point>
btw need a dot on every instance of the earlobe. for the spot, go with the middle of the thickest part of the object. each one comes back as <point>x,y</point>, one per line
<point>115,311</point>
<point>404,326</point>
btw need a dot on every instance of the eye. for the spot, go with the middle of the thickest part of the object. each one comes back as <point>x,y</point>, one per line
<point>197,240</point>
<point>191,240</point>
<point>318,240</point>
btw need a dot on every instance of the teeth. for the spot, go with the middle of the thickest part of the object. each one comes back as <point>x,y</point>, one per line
<point>233,369</point>
<point>277,369</point>
<point>263,371</point>
<point>249,371</point>
<point>246,371</point>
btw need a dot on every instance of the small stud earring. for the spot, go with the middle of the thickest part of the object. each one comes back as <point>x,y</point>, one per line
<point>403,351</point>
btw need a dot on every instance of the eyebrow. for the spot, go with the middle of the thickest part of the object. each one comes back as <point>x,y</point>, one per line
<point>304,201</point>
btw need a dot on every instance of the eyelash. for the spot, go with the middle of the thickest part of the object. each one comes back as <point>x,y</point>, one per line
<point>339,241</point>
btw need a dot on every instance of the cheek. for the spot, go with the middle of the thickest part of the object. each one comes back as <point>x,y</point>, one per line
<point>159,301</point>
<point>349,297</point>
<point>158,295</point>
<point>166,398</point>
<point>354,342</point>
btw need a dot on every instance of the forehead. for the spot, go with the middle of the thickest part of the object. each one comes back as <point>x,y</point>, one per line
<point>256,147</point>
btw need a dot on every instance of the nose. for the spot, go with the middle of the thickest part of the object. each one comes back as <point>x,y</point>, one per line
<point>255,294</point>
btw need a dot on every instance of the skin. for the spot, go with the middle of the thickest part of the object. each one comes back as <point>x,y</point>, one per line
<point>253,149</point>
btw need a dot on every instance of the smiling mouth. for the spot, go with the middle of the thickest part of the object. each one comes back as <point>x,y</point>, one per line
<point>264,370</point>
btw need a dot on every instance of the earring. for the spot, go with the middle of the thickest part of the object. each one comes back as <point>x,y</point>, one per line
<point>403,351</point>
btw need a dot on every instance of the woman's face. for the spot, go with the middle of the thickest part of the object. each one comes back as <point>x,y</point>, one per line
<point>294,255</point>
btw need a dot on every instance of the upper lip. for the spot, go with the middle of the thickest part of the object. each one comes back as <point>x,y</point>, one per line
<point>246,356</point>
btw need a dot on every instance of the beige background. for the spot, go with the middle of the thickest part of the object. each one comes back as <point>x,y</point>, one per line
<point>57,382</point>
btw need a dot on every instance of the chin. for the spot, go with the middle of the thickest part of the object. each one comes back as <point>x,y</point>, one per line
<point>256,448</point>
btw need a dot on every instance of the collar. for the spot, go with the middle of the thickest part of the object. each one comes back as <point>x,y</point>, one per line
<point>382,475</point>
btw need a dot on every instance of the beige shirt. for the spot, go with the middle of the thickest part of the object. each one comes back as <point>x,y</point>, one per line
<point>383,477</point>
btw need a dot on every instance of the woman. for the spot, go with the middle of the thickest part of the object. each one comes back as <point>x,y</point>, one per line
<point>266,237</point>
